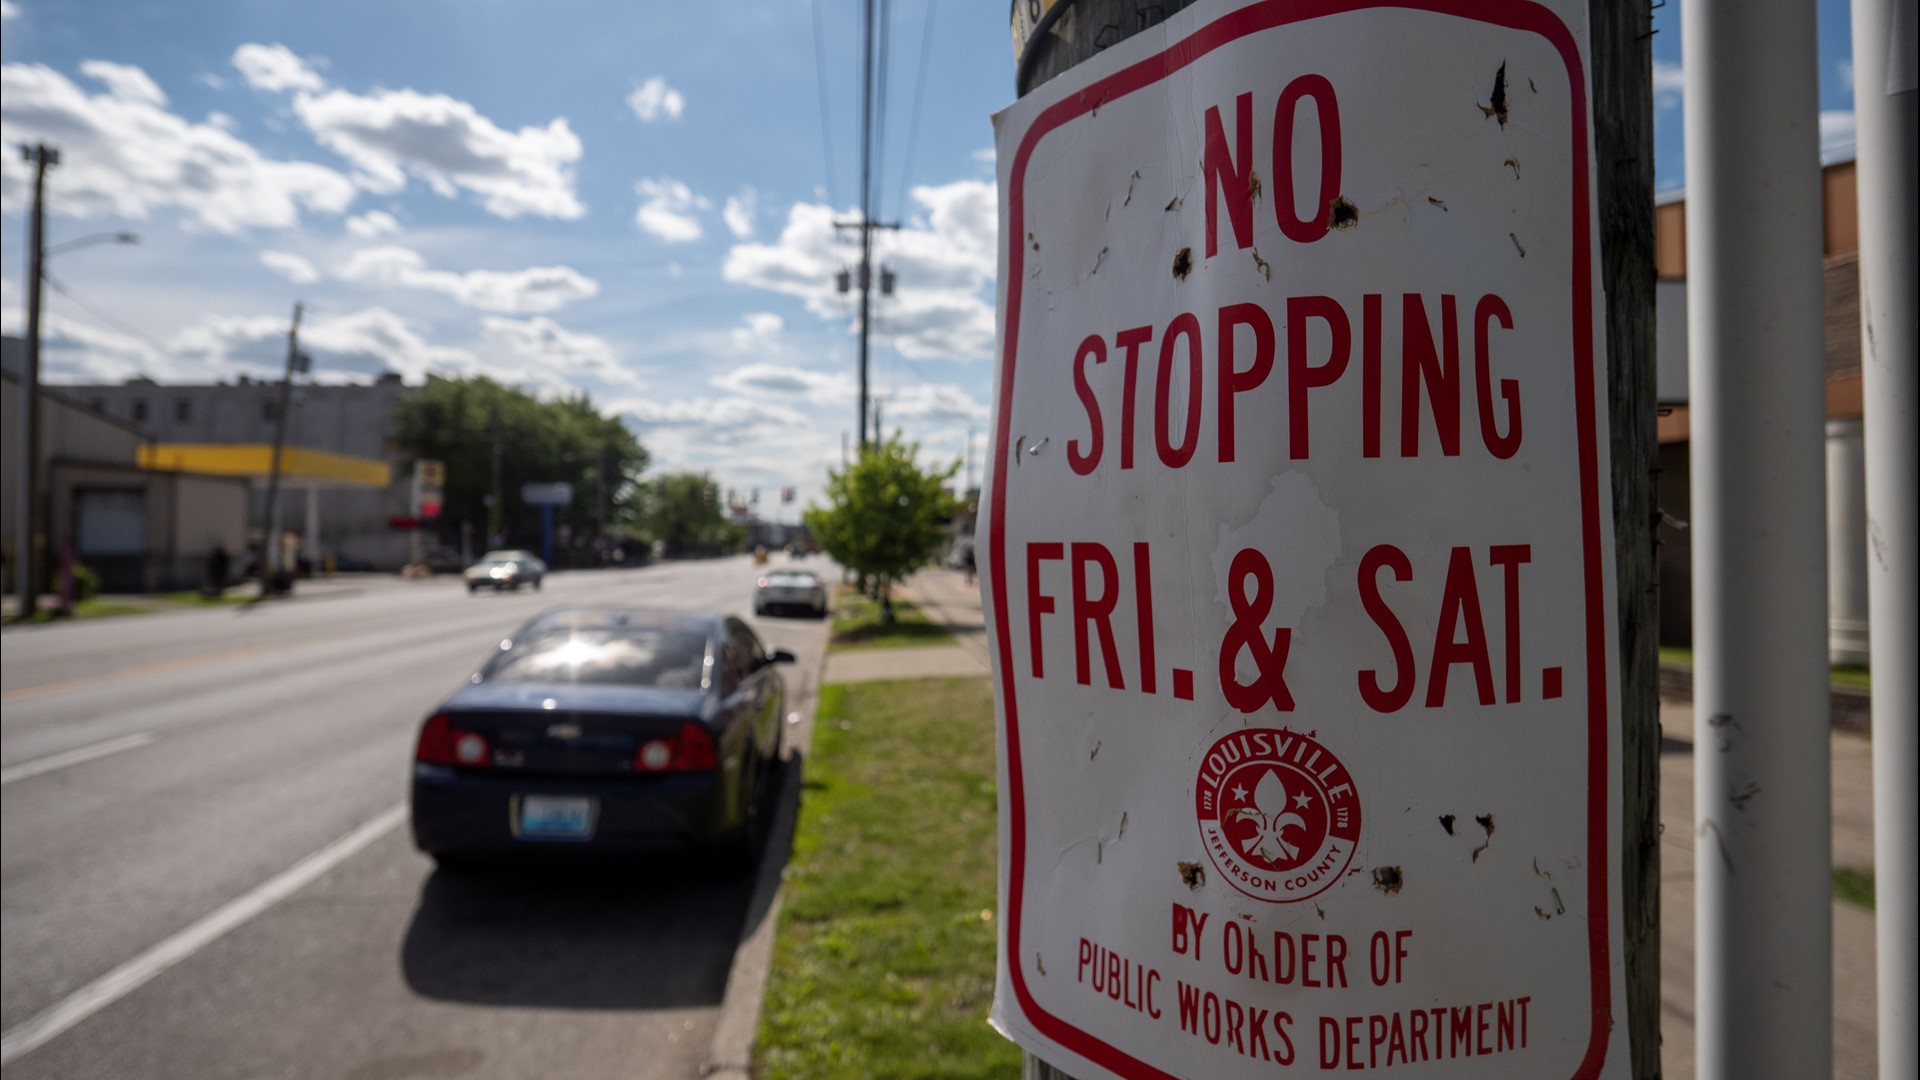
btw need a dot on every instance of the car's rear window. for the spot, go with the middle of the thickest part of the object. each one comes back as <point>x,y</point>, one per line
<point>792,579</point>
<point>672,658</point>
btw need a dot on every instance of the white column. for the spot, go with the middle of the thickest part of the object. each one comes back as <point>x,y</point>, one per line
<point>1763,809</point>
<point>311,534</point>
<point>1846,545</point>
<point>1884,100</point>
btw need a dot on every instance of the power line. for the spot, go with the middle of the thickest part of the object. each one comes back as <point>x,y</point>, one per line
<point>132,331</point>
<point>826,124</point>
<point>919,92</point>
<point>884,66</point>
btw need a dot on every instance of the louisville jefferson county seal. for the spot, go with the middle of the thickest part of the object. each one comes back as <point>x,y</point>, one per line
<point>1278,813</point>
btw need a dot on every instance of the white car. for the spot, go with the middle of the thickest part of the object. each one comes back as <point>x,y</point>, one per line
<point>790,590</point>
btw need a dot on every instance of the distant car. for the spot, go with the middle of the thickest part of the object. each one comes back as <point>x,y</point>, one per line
<point>612,730</point>
<point>442,559</point>
<point>790,590</point>
<point>508,569</point>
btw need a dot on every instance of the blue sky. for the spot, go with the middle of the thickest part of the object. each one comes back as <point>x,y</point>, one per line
<point>629,199</point>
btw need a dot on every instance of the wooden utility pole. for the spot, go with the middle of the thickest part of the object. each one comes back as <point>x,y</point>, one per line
<point>870,90</point>
<point>1621,60</point>
<point>270,558</point>
<point>31,539</point>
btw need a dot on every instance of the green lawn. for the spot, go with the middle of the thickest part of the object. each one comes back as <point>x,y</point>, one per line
<point>857,625</point>
<point>884,962</point>
<point>1858,678</point>
<point>147,603</point>
<point>86,609</point>
<point>1854,886</point>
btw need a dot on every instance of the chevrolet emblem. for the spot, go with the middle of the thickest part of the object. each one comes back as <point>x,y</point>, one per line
<point>564,731</point>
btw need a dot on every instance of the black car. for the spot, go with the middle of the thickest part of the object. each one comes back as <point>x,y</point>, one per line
<point>606,729</point>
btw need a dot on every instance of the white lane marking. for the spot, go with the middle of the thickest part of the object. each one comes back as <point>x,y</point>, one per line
<point>133,974</point>
<point>72,757</point>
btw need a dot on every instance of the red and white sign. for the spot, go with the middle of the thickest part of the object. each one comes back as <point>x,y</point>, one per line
<point>1297,551</point>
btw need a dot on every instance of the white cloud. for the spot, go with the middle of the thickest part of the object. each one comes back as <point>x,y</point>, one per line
<point>390,135</point>
<point>544,354</point>
<point>985,155</point>
<point>785,381</point>
<point>8,11</point>
<point>222,121</point>
<point>944,262</point>
<point>758,332</point>
<point>125,156</point>
<point>655,100</point>
<point>275,68</point>
<point>1845,71</point>
<point>731,420</point>
<point>1669,83</point>
<point>124,82</point>
<point>513,292</point>
<point>934,403</point>
<point>1837,138</point>
<point>666,210</point>
<point>739,213</point>
<point>345,347</point>
<point>211,81</point>
<point>371,224</point>
<point>290,266</point>
<point>76,350</point>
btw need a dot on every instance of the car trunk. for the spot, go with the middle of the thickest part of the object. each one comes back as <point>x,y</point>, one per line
<point>586,731</point>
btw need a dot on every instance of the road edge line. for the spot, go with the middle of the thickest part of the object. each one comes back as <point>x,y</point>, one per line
<point>79,755</point>
<point>83,1003</point>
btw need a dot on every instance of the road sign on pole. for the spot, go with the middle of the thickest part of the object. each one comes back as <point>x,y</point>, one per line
<point>558,493</point>
<point>1299,552</point>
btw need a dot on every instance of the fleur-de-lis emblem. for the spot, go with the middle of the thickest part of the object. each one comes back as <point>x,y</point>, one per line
<point>1271,819</point>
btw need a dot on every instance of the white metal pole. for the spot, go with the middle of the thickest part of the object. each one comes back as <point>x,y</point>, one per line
<point>1763,809</point>
<point>1885,115</point>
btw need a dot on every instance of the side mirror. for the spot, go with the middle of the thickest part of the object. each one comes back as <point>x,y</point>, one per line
<point>782,656</point>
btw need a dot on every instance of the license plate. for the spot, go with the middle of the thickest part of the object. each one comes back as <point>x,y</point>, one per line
<point>549,817</point>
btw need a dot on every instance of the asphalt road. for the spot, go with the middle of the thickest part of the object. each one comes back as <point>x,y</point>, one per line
<point>205,870</point>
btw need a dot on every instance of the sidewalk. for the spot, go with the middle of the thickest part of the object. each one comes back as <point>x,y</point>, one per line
<point>947,600</point>
<point>345,584</point>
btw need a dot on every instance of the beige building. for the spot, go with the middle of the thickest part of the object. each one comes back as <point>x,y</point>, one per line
<point>140,530</point>
<point>1846,473</point>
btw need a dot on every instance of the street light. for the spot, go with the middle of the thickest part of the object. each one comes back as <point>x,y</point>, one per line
<point>96,238</point>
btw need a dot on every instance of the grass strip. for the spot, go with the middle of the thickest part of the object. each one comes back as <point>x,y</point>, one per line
<point>1858,678</point>
<point>1854,886</point>
<point>857,624</point>
<point>884,960</point>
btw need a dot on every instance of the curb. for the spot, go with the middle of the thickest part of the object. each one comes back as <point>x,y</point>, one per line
<point>1851,709</point>
<point>730,1054</point>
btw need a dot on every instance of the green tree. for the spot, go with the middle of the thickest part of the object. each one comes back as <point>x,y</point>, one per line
<point>886,516</point>
<point>565,440</point>
<point>683,511</point>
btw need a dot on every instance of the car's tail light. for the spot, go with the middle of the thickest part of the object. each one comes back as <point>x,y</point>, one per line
<point>443,744</point>
<point>690,750</point>
<point>764,583</point>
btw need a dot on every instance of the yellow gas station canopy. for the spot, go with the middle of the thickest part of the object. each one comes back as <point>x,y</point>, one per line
<point>298,464</point>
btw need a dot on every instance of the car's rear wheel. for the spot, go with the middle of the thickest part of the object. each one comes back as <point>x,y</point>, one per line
<point>757,819</point>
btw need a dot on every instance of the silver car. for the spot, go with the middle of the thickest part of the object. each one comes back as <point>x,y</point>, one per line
<point>505,570</point>
<point>790,590</point>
